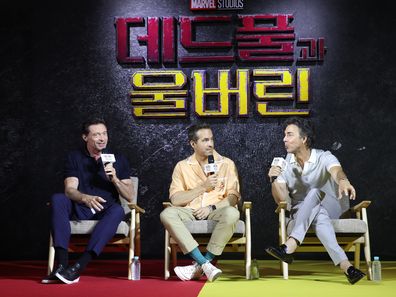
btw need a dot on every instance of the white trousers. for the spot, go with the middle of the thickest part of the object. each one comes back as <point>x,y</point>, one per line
<point>317,210</point>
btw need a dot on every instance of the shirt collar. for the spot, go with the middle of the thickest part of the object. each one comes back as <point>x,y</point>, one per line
<point>312,157</point>
<point>86,152</point>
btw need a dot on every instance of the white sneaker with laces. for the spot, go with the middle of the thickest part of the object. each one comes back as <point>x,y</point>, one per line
<point>190,272</point>
<point>211,271</point>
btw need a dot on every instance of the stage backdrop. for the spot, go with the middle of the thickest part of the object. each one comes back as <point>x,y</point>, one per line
<point>59,66</point>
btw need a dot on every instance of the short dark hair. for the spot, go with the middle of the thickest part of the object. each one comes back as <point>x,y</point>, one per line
<point>89,122</point>
<point>192,131</point>
<point>305,127</point>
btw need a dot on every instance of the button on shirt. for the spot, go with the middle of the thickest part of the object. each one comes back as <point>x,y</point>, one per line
<point>188,174</point>
<point>92,179</point>
<point>314,175</point>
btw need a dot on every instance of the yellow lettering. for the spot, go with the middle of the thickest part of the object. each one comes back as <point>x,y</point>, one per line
<point>156,99</point>
<point>223,93</point>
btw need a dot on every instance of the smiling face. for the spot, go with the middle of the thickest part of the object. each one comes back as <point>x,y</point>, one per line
<point>293,140</point>
<point>204,145</point>
<point>96,139</point>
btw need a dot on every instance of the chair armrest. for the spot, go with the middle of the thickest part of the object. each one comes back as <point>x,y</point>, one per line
<point>136,207</point>
<point>166,204</point>
<point>246,209</point>
<point>281,205</point>
<point>246,205</point>
<point>363,204</point>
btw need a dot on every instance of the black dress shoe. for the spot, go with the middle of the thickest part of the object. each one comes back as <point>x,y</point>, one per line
<point>71,275</point>
<point>280,253</point>
<point>354,275</point>
<point>51,278</point>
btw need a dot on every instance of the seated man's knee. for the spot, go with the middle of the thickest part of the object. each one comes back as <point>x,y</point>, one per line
<point>167,214</point>
<point>118,212</point>
<point>58,199</point>
<point>230,214</point>
<point>315,193</point>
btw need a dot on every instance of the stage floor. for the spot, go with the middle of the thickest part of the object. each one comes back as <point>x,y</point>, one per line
<point>306,278</point>
<point>108,278</point>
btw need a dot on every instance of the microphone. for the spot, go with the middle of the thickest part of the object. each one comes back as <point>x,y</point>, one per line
<point>211,167</point>
<point>279,162</point>
<point>106,159</point>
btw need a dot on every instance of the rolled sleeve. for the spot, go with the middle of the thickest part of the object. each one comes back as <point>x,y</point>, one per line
<point>233,181</point>
<point>177,184</point>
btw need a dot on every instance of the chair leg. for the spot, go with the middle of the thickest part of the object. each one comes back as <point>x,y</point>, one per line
<point>130,257</point>
<point>137,235</point>
<point>173,249</point>
<point>248,263</point>
<point>248,247</point>
<point>51,255</point>
<point>167,256</point>
<point>282,237</point>
<point>285,270</point>
<point>133,234</point>
<point>356,260</point>
<point>367,251</point>
<point>367,256</point>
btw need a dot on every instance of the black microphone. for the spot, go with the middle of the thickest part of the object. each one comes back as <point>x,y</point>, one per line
<point>106,159</point>
<point>110,175</point>
<point>211,161</point>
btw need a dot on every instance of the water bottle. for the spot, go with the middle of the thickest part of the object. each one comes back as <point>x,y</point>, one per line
<point>254,271</point>
<point>135,268</point>
<point>376,269</point>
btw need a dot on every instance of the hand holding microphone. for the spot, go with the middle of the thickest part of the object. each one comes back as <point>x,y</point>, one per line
<point>108,160</point>
<point>277,165</point>
<point>211,167</point>
<point>210,170</point>
<point>210,183</point>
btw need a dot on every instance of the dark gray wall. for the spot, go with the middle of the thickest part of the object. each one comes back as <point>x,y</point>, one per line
<point>58,66</point>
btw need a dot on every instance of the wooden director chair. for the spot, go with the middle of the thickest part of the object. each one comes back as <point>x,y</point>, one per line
<point>127,236</point>
<point>351,232</point>
<point>202,230</point>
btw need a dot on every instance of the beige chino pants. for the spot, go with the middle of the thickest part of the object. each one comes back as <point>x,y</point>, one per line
<point>173,219</point>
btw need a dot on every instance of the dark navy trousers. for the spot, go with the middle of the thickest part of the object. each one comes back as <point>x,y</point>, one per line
<point>64,209</point>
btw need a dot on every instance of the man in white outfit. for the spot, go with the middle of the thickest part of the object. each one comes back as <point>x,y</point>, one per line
<point>316,185</point>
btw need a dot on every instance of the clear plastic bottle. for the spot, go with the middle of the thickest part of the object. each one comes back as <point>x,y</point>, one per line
<point>376,269</point>
<point>254,271</point>
<point>135,268</point>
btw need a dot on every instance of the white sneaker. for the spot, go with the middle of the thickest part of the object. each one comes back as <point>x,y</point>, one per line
<point>190,272</point>
<point>211,271</point>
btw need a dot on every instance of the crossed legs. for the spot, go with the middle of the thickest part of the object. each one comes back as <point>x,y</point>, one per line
<point>173,219</point>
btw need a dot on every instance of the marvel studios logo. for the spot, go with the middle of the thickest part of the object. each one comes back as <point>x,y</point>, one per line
<point>216,4</point>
